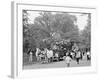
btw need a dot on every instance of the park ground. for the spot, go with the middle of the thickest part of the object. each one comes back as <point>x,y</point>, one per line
<point>59,64</point>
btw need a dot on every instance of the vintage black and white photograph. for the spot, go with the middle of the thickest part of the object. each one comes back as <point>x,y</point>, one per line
<point>56,39</point>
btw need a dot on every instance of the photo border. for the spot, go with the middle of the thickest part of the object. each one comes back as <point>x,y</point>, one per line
<point>16,67</point>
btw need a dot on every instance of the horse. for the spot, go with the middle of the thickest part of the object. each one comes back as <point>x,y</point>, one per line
<point>56,56</point>
<point>49,54</point>
<point>37,54</point>
<point>43,55</point>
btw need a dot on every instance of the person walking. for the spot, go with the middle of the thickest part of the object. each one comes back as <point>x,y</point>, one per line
<point>88,56</point>
<point>78,56</point>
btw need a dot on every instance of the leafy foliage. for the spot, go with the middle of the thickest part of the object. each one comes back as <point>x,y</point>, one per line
<point>48,26</point>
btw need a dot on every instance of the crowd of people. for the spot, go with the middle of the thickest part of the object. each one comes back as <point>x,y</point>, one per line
<point>60,51</point>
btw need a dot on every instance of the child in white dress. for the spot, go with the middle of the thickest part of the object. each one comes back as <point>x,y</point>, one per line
<point>68,60</point>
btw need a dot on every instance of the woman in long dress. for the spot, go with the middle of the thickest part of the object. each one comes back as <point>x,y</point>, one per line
<point>30,56</point>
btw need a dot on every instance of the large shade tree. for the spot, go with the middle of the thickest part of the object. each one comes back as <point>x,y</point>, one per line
<point>47,24</point>
<point>62,23</point>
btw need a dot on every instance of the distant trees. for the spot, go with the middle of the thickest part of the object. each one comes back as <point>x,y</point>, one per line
<point>86,33</point>
<point>26,35</point>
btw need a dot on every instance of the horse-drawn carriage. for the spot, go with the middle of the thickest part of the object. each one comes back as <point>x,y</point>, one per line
<point>56,51</point>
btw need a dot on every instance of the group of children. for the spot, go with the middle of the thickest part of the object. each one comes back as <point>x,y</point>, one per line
<point>68,58</point>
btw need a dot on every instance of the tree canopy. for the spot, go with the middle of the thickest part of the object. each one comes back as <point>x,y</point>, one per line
<point>51,26</point>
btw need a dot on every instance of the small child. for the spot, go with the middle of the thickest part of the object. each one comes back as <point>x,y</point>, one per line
<point>68,60</point>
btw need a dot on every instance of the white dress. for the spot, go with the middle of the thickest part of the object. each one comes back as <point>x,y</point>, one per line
<point>67,59</point>
<point>30,57</point>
